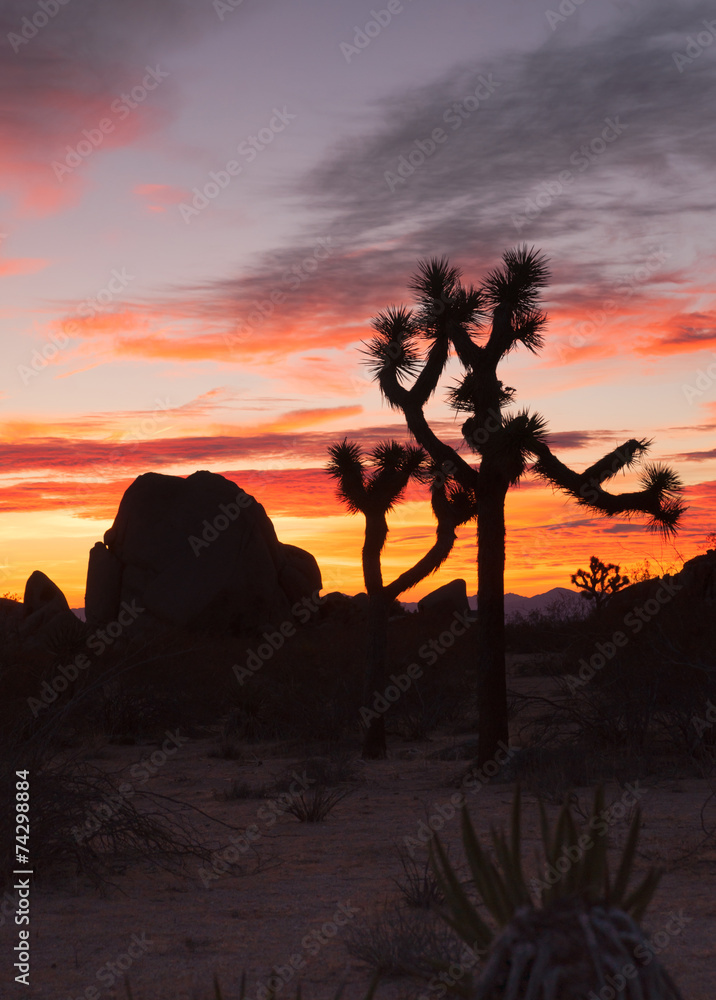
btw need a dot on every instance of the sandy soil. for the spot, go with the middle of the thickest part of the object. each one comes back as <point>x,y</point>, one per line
<point>263,911</point>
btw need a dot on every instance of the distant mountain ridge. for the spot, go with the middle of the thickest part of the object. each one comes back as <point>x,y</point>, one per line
<point>517,604</point>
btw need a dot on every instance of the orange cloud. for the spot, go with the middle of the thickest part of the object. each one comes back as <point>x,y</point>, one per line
<point>148,334</point>
<point>22,265</point>
<point>680,334</point>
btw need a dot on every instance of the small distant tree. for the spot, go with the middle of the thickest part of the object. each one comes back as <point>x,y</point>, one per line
<point>373,489</point>
<point>600,581</point>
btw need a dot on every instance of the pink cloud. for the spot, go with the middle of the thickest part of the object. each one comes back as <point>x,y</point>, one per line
<point>159,197</point>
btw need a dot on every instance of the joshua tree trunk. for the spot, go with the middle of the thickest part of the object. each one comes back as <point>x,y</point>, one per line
<point>374,746</point>
<point>492,690</point>
<point>376,531</point>
<point>375,493</point>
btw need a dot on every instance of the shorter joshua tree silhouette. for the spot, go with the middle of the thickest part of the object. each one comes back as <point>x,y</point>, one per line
<point>373,489</point>
<point>596,584</point>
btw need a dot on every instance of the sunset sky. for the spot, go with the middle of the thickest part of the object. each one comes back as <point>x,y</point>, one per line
<point>202,206</point>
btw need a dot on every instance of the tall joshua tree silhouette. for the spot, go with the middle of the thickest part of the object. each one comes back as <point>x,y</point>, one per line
<point>481,326</point>
<point>374,490</point>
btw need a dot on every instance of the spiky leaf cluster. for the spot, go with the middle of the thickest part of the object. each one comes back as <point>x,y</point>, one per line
<point>665,486</point>
<point>519,282</point>
<point>379,485</point>
<point>444,300</point>
<point>465,395</point>
<point>509,445</point>
<point>394,349</point>
<point>575,933</point>
<point>502,885</point>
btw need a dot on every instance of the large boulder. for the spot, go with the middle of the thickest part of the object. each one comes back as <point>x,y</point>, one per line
<point>698,577</point>
<point>199,553</point>
<point>694,585</point>
<point>449,598</point>
<point>633,596</point>
<point>47,621</point>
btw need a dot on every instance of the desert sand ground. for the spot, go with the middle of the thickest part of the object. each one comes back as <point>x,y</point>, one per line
<point>262,913</point>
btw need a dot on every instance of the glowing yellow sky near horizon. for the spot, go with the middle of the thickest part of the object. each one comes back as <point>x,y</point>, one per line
<point>544,546</point>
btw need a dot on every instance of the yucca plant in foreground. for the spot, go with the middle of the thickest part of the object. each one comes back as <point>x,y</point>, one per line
<point>575,939</point>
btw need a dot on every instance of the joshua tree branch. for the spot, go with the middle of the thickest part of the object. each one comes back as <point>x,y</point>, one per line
<point>396,394</point>
<point>450,515</point>
<point>426,383</point>
<point>470,354</point>
<point>618,459</point>
<point>663,504</point>
<point>430,562</point>
<point>442,454</point>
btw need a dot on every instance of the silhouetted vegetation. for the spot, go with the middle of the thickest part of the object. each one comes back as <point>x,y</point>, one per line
<point>408,356</point>
<point>599,582</point>
<point>374,493</point>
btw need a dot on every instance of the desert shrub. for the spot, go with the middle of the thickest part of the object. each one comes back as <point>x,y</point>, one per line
<point>433,701</point>
<point>549,631</point>
<point>417,883</point>
<point>80,818</point>
<point>67,638</point>
<point>550,772</point>
<point>401,942</point>
<point>125,715</point>
<point>438,696</point>
<point>226,748</point>
<point>315,804</point>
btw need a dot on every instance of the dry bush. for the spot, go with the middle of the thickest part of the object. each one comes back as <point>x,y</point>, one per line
<point>418,884</point>
<point>314,805</point>
<point>399,942</point>
<point>81,819</point>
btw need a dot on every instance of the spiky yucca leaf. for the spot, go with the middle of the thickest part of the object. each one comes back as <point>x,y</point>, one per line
<point>466,394</point>
<point>620,458</point>
<point>380,487</point>
<point>519,282</point>
<point>346,465</point>
<point>395,346</point>
<point>509,444</point>
<point>444,301</point>
<point>528,330</point>
<point>461,915</point>
<point>435,278</point>
<point>666,485</point>
<point>660,479</point>
<point>394,466</point>
<point>577,855</point>
<point>579,932</point>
